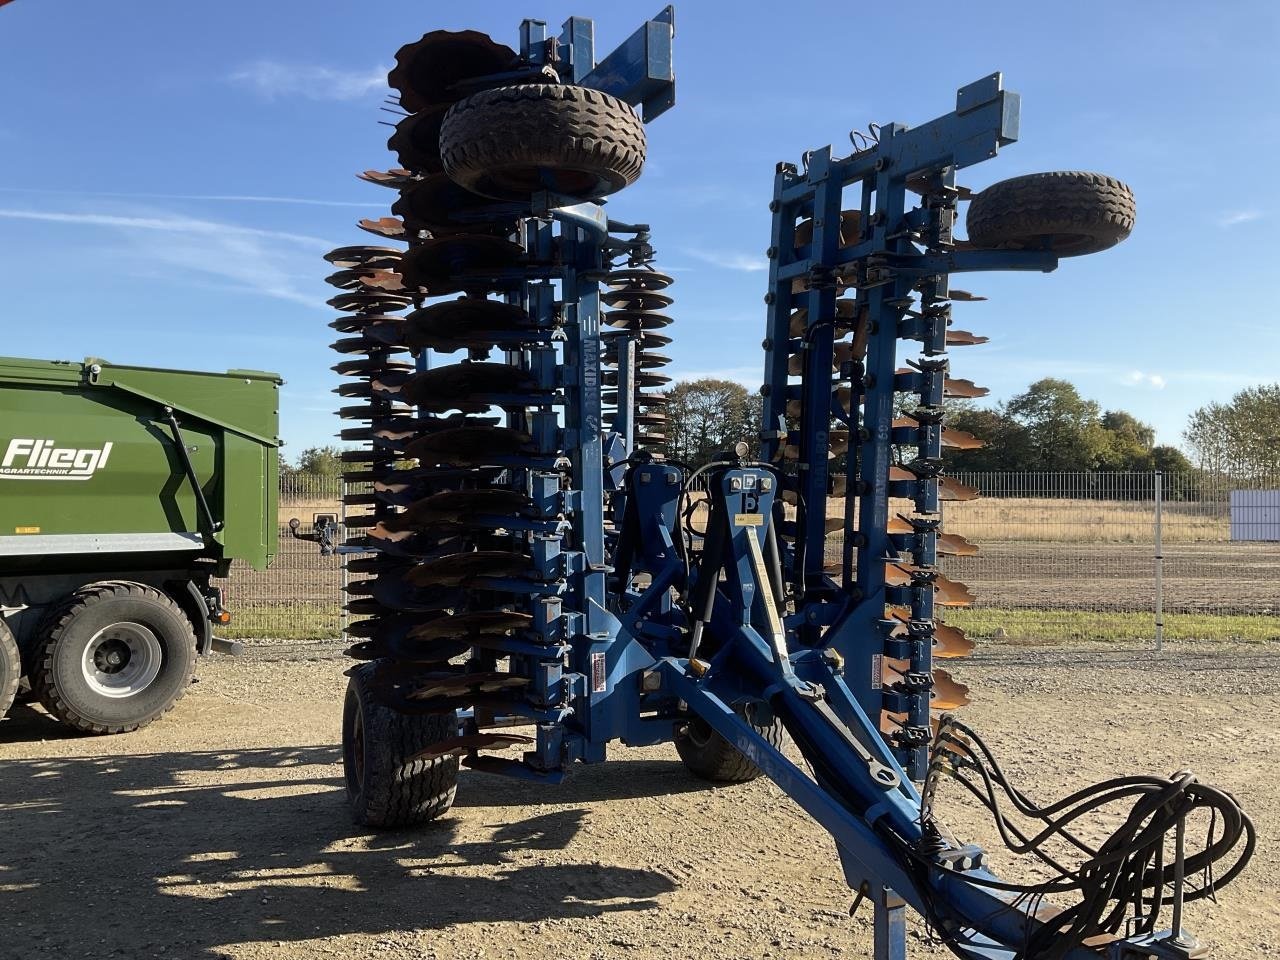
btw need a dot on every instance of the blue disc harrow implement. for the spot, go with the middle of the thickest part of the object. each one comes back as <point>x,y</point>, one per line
<point>529,570</point>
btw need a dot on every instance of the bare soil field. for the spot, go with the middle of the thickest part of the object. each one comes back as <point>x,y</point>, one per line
<point>1225,578</point>
<point>221,831</point>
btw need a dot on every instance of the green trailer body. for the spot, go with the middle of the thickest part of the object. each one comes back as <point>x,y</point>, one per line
<point>89,465</point>
<point>153,479</point>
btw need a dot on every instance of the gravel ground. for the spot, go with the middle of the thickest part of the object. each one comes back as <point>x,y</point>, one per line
<point>221,831</point>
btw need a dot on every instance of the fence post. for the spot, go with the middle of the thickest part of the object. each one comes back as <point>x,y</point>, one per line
<point>342,560</point>
<point>1159,486</point>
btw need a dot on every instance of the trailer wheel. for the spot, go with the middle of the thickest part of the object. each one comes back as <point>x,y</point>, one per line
<point>115,656</point>
<point>512,142</point>
<point>1066,212</point>
<point>382,789</point>
<point>710,756</point>
<point>10,668</point>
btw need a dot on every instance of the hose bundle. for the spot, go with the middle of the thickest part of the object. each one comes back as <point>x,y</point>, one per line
<point>1119,885</point>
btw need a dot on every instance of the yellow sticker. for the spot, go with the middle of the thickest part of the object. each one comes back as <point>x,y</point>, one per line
<point>748,519</point>
<point>26,529</point>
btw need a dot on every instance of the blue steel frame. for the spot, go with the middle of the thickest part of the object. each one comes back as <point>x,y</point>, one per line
<point>609,656</point>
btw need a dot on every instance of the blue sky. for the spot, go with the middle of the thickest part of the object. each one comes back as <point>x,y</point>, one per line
<point>170,174</point>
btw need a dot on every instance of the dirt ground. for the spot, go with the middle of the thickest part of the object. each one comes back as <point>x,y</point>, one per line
<point>221,832</point>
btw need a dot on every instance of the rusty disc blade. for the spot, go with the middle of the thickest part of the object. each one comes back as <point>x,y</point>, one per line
<point>443,207</point>
<point>363,256</point>
<point>947,592</point>
<point>468,322</point>
<point>371,366</point>
<point>963,338</point>
<point>435,263</point>
<point>637,319</point>
<point>949,489</point>
<point>457,507</point>
<point>469,446</point>
<point>371,301</point>
<point>456,684</point>
<point>963,389</point>
<point>637,300</point>
<point>949,642</point>
<point>639,277</point>
<point>358,278</point>
<point>416,141</point>
<point>948,693</point>
<point>396,179</point>
<point>850,229</point>
<point>449,387</point>
<point>961,440</point>
<point>390,227</point>
<point>486,623</point>
<point>458,568</point>
<point>428,70</point>
<point>954,545</point>
<point>364,323</point>
<point>948,544</point>
<point>892,722</point>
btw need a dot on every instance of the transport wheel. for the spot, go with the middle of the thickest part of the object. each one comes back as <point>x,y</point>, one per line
<point>115,656</point>
<point>1066,212</point>
<point>382,789</point>
<point>10,668</point>
<point>711,757</point>
<point>511,142</point>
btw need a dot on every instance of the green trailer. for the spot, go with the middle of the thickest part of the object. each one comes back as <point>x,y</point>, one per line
<point>125,493</point>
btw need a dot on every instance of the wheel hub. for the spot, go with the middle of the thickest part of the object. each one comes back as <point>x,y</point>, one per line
<point>122,660</point>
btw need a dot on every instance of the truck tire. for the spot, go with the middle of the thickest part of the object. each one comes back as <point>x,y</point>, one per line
<point>1066,212</point>
<point>382,789</point>
<point>114,657</point>
<point>10,668</point>
<point>710,756</point>
<point>512,142</point>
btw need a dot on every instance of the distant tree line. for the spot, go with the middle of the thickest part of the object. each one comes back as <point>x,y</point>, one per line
<point>1050,428</point>
<point>1047,428</point>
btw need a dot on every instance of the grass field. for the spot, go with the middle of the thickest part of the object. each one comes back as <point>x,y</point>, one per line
<point>1060,625</point>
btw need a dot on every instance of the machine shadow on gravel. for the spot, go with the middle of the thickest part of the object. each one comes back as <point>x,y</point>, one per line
<point>188,852</point>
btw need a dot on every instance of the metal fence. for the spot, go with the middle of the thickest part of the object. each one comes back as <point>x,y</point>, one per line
<point>1112,556</point>
<point>300,596</point>
<point>1063,556</point>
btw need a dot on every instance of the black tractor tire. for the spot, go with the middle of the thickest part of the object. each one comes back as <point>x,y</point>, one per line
<point>10,668</point>
<point>1067,213</point>
<point>512,142</point>
<point>114,657</point>
<point>383,790</point>
<point>710,756</point>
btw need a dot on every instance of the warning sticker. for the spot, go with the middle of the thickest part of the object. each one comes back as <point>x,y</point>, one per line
<point>748,519</point>
<point>877,666</point>
<point>26,529</point>
<point>599,673</point>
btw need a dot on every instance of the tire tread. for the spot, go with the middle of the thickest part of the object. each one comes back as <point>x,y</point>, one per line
<point>53,629</point>
<point>1009,214</point>
<point>396,794</point>
<point>559,125</point>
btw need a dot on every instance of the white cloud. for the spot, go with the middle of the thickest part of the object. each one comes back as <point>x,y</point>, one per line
<point>1237,217</point>
<point>728,260</point>
<point>271,80</point>
<point>1137,378</point>
<point>213,197</point>
<point>165,224</point>
<point>246,259</point>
